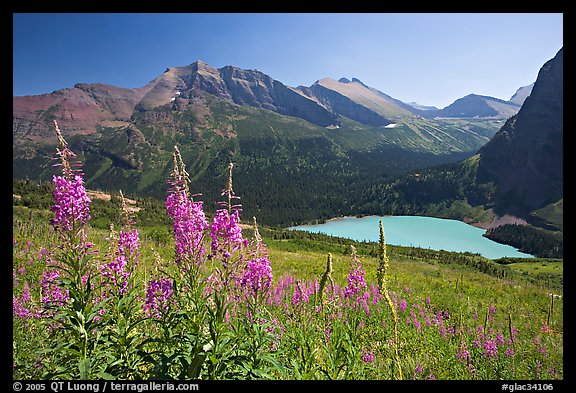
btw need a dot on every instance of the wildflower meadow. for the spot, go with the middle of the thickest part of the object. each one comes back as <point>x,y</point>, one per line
<point>217,305</point>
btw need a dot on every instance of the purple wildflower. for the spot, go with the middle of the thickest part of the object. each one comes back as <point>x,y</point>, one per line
<point>463,355</point>
<point>226,232</point>
<point>20,306</point>
<point>490,349</point>
<point>258,275</point>
<point>70,203</point>
<point>189,223</point>
<point>402,306</point>
<point>159,295</point>
<point>52,294</point>
<point>368,357</point>
<point>355,281</point>
<point>416,323</point>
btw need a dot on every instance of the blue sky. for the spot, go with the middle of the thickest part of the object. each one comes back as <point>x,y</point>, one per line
<point>432,59</point>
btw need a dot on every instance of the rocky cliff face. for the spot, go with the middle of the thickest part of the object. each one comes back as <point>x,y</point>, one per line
<point>251,87</point>
<point>525,157</point>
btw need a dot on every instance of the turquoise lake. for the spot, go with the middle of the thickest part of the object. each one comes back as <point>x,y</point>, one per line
<point>417,231</point>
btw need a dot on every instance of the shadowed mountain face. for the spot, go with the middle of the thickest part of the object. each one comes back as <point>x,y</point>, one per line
<point>525,158</point>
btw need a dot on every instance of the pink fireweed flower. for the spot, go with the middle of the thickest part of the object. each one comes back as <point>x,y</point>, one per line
<point>376,296</point>
<point>129,243</point>
<point>226,232</point>
<point>189,224</point>
<point>355,281</point>
<point>159,297</point>
<point>538,368</point>
<point>21,307</point>
<point>71,204</point>
<point>490,349</point>
<point>119,269</point>
<point>402,306</point>
<point>258,275</point>
<point>52,293</point>
<point>416,323</point>
<point>463,355</point>
<point>368,357</point>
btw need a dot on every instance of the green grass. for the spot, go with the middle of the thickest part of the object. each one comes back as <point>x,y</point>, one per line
<point>449,282</point>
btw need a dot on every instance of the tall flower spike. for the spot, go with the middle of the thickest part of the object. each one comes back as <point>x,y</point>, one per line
<point>229,193</point>
<point>324,280</point>
<point>189,221</point>
<point>64,153</point>
<point>71,203</point>
<point>382,278</point>
<point>259,246</point>
<point>383,266</point>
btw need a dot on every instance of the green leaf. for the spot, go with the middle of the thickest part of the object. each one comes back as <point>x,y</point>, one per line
<point>84,366</point>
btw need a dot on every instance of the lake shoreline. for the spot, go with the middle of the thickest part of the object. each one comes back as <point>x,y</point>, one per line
<point>497,221</point>
<point>437,233</point>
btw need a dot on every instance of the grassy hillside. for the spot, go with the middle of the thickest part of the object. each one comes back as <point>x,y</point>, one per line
<point>460,316</point>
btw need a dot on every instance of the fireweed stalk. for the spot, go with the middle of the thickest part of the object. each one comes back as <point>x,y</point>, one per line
<point>227,241</point>
<point>121,305</point>
<point>120,269</point>
<point>177,298</point>
<point>71,275</point>
<point>256,280</point>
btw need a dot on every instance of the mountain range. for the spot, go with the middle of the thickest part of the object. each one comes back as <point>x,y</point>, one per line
<point>86,107</point>
<point>301,153</point>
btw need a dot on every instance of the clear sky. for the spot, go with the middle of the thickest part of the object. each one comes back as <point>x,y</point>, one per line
<point>432,59</point>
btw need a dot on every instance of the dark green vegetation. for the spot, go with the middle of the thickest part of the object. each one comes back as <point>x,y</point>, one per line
<point>454,191</point>
<point>529,239</point>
